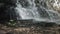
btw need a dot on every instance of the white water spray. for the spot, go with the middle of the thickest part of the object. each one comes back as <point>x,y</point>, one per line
<point>31,12</point>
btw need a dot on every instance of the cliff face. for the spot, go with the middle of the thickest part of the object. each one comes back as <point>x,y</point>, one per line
<point>7,10</point>
<point>50,4</point>
<point>54,4</point>
<point>7,7</point>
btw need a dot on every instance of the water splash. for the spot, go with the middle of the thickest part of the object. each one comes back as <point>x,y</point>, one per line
<point>27,10</point>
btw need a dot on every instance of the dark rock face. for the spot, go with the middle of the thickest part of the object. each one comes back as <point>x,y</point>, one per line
<point>7,10</point>
<point>11,2</point>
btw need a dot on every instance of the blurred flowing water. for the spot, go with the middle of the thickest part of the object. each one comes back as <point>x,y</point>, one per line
<point>38,10</point>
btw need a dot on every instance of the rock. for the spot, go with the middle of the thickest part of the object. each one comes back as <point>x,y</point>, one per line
<point>12,2</point>
<point>7,10</point>
<point>2,32</point>
<point>54,4</point>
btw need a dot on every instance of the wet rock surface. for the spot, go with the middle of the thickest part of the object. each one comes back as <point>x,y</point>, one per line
<point>30,30</point>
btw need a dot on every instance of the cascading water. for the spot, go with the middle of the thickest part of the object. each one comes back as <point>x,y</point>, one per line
<point>27,13</point>
<point>27,9</point>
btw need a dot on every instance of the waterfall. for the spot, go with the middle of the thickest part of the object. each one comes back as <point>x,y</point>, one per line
<point>27,9</point>
<point>27,13</point>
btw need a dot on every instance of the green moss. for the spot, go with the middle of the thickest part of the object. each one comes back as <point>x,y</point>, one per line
<point>12,23</point>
